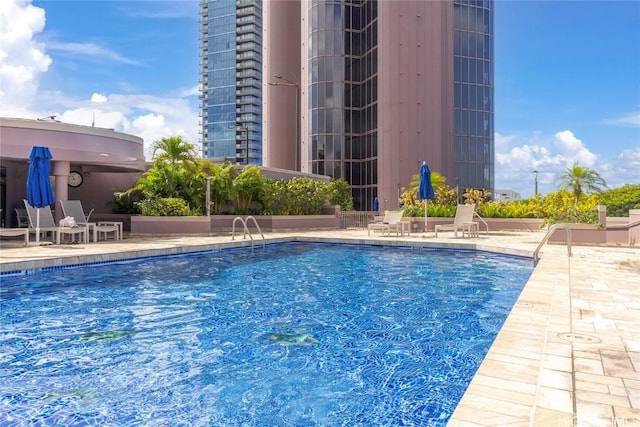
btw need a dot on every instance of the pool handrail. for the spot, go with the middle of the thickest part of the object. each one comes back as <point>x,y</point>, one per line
<point>546,237</point>
<point>246,229</point>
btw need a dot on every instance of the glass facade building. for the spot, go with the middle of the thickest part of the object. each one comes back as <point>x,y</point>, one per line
<point>473,99</point>
<point>231,80</point>
<point>342,93</point>
<point>386,85</point>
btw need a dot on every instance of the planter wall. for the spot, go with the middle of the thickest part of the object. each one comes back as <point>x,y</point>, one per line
<point>181,225</point>
<point>504,224</point>
<point>220,223</point>
<point>202,225</point>
<point>580,233</point>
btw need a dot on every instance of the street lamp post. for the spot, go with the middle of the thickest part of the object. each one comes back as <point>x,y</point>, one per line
<point>535,182</point>
<point>295,85</point>
<point>244,128</point>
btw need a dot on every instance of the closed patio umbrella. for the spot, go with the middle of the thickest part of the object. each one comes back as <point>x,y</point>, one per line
<point>39,191</point>
<point>425,189</point>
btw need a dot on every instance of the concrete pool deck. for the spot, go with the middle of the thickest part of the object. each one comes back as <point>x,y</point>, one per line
<point>567,355</point>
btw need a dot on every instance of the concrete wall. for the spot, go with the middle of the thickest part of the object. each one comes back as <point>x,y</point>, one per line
<point>281,55</point>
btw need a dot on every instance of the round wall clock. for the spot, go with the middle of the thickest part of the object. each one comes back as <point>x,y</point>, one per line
<point>75,179</point>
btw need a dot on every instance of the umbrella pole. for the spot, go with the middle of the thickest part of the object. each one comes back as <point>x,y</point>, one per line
<point>37,226</point>
<point>426,215</point>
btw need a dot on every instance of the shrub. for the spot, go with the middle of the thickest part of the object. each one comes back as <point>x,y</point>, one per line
<point>275,199</point>
<point>306,196</point>
<point>620,200</point>
<point>560,207</point>
<point>339,193</point>
<point>167,206</point>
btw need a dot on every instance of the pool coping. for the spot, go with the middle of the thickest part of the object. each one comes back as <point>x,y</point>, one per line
<point>535,373</point>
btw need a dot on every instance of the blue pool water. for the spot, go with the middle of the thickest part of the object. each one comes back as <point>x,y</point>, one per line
<point>295,335</point>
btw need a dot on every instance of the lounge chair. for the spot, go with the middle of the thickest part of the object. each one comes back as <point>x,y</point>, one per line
<point>15,232</point>
<point>392,221</point>
<point>463,221</point>
<point>47,224</point>
<point>73,208</point>
<point>21,217</point>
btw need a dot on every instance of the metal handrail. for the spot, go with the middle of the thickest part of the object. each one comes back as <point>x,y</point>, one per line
<point>257,226</point>
<point>246,229</point>
<point>482,220</point>
<point>546,237</point>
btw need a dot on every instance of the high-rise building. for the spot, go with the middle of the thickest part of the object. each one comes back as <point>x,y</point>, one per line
<point>376,88</point>
<point>231,80</point>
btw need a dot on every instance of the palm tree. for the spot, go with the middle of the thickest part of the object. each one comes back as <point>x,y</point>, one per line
<point>174,150</point>
<point>581,180</point>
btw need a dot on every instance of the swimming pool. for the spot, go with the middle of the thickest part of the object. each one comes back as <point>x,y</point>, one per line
<point>297,335</point>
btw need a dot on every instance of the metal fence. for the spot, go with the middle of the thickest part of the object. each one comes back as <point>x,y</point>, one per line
<point>356,219</point>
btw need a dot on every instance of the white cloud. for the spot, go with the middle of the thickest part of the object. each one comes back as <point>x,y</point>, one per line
<point>503,140</point>
<point>90,51</point>
<point>623,169</point>
<point>551,156</point>
<point>573,150</point>
<point>98,98</point>
<point>630,119</point>
<point>23,61</point>
<point>148,117</point>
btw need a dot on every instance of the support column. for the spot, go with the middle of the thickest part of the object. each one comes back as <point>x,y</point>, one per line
<point>61,171</point>
<point>602,215</point>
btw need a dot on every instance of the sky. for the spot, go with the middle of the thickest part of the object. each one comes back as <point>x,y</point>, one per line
<point>567,78</point>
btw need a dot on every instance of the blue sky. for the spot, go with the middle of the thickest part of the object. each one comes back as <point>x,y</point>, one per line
<point>567,78</point>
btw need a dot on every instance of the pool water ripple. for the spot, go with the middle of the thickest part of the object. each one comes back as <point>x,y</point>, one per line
<point>297,335</point>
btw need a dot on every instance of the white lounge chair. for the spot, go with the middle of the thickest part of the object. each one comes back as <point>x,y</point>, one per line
<point>463,221</point>
<point>392,221</point>
<point>73,208</point>
<point>46,224</point>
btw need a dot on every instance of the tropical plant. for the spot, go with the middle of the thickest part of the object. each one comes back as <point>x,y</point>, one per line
<point>620,200</point>
<point>445,195</point>
<point>161,181</point>
<point>476,196</point>
<point>438,181</point>
<point>581,180</point>
<point>248,187</point>
<point>176,172</point>
<point>174,150</point>
<point>126,202</point>
<point>221,186</point>
<point>559,207</point>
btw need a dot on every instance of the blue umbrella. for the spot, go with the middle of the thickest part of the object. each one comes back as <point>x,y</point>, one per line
<point>376,205</point>
<point>425,189</point>
<point>39,191</point>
